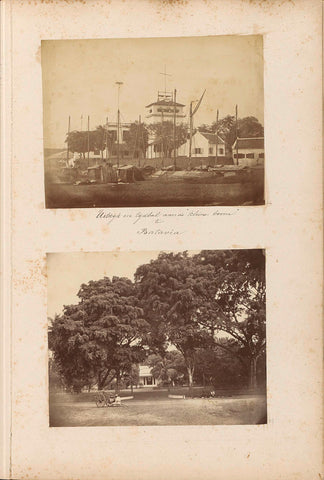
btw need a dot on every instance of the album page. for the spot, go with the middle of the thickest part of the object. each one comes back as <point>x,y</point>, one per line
<point>162,239</point>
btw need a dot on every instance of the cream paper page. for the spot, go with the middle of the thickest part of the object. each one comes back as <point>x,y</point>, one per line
<point>288,226</point>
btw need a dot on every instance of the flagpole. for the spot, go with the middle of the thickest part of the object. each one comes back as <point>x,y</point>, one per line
<point>174,131</point>
<point>106,138</point>
<point>88,140</point>
<point>190,135</point>
<point>68,149</point>
<point>236,134</point>
<point>217,137</point>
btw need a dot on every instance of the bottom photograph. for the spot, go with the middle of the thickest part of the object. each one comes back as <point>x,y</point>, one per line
<point>157,338</point>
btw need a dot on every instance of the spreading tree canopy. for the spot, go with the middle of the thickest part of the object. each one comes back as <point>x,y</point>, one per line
<point>236,305</point>
<point>137,139</point>
<point>101,334</point>
<point>247,127</point>
<point>202,304</point>
<point>170,288</point>
<point>164,134</point>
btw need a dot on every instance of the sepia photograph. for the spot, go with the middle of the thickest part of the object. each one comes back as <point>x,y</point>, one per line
<point>144,122</point>
<point>157,338</point>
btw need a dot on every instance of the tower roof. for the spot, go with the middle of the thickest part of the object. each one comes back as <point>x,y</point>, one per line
<point>166,103</point>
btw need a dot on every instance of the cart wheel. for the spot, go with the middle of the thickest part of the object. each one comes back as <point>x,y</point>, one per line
<point>99,403</point>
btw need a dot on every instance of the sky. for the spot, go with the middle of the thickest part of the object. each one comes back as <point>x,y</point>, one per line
<point>79,78</point>
<point>67,271</point>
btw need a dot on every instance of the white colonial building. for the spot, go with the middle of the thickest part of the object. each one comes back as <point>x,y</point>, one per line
<point>203,145</point>
<point>248,152</point>
<point>164,109</point>
<point>146,379</point>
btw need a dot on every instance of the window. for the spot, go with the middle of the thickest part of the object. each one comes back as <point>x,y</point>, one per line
<point>149,381</point>
<point>261,155</point>
<point>210,150</point>
<point>198,150</point>
<point>221,151</point>
<point>125,135</point>
<point>240,155</point>
<point>250,155</point>
<point>113,134</point>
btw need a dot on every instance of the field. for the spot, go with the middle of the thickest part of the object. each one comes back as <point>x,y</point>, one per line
<point>155,408</point>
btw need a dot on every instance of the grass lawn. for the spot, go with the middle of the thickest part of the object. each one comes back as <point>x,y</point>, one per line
<point>155,408</point>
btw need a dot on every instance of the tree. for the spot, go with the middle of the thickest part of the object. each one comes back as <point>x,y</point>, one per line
<point>226,128</point>
<point>220,368</point>
<point>170,289</point>
<point>169,368</point>
<point>137,139</point>
<point>77,142</point>
<point>236,304</point>
<point>82,142</point>
<point>101,335</point>
<point>131,377</point>
<point>101,139</point>
<point>164,133</point>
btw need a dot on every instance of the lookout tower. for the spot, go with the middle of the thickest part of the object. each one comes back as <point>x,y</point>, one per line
<point>164,109</point>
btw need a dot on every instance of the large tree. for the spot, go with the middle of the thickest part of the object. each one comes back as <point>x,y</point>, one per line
<point>169,368</point>
<point>137,139</point>
<point>170,289</point>
<point>226,128</point>
<point>236,304</point>
<point>164,134</point>
<point>84,141</point>
<point>101,335</point>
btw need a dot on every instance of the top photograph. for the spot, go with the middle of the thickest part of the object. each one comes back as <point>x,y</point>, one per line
<point>153,122</point>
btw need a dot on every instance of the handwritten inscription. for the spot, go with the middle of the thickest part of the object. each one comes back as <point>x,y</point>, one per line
<point>153,217</point>
<point>158,231</point>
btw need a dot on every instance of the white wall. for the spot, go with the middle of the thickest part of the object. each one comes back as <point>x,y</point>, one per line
<point>249,162</point>
<point>199,141</point>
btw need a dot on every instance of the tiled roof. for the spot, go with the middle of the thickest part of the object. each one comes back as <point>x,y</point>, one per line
<point>245,143</point>
<point>211,137</point>
<point>166,103</point>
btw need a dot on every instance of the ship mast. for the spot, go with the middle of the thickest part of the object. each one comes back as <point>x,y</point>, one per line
<point>118,123</point>
<point>191,115</point>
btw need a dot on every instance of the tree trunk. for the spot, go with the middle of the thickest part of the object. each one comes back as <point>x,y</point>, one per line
<point>253,373</point>
<point>99,381</point>
<point>117,382</point>
<point>190,370</point>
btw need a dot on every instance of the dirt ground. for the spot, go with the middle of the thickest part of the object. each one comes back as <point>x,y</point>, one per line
<point>154,410</point>
<point>156,192</point>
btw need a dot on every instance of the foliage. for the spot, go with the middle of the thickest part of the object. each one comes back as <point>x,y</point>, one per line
<point>169,369</point>
<point>137,139</point>
<point>164,133</point>
<point>237,305</point>
<point>131,377</point>
<point>226,127</point>
<point>170,288</point>
<point>94,140</point>
<point>101,334</point>
<point>210,306</point>
<point>220,368</point>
